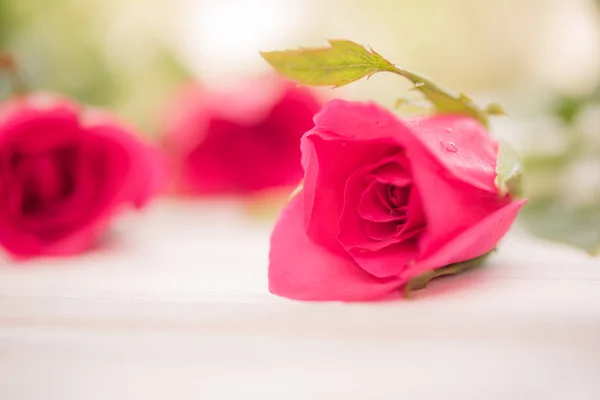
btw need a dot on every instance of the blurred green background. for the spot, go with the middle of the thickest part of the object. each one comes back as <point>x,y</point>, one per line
<point>539,58</point>
<point>73,47</point>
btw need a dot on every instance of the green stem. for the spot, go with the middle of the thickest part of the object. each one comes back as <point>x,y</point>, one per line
<point>445,101</point>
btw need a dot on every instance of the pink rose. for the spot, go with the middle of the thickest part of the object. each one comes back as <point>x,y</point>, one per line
<point>384,200</point>
<point>64,172</point>
<point>241,141</point>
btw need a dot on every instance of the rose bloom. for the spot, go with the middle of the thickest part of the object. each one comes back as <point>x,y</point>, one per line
<point>384,200</point>
<point>239,141</point>
<point>64,173</point>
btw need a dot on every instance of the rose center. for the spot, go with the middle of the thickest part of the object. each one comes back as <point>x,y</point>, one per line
<point>47,180</point>
<point>390,206</point>
<point>396,198</point>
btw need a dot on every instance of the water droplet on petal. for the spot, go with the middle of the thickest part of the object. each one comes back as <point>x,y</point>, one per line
<point>448,130</point>
<point>450,147</point>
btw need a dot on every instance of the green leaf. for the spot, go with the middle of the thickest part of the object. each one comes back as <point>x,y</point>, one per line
<point>345,62</point>
<point>551,219</point>
<point>342,63</point>
<point>508,171</point>
<point>421,281</point>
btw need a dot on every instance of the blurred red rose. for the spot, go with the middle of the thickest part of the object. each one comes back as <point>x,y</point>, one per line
<point>239,141</point>
<point>64,172</point>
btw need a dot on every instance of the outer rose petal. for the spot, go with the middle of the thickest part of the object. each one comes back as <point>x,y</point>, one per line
<point>29,117</point>
<point>472,163</point>
<point>461,145</point>
<point>302,270</point>
<point>463,205</point>
<point>478,240</point>
<point>360,121</point>
<point>143,165</point>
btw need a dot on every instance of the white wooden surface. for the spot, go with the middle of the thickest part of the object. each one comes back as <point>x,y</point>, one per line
<point>176,307</point>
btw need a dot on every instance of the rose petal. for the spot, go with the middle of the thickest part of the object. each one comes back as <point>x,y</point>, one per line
<point>64,216</point>
<point>24,120</point>
<point>461,145</point>
<point>12,200</point>
<point>351,226</point>
<point>463,205</point>
<point>389,261</point>
<point>364,122</point>
<point>292,113</point>
<point>473,242</point>
<point>209,168</point>
<point>300,269</point>
<point>380,232</point>
<point>136,169</point>
<point>406,232</point>
<point>277,163</point>
<point>416,220</point>
<point>328,163</point>
<point>371,206</point>
<point>392,172</point>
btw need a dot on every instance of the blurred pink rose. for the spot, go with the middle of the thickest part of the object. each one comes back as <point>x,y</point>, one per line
<point>384,200</point>
<point>64,172</point>
<point>240,141</point>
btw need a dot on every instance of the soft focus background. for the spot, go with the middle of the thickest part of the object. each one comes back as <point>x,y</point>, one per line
<point>539,58</point>
<point>130,54</point>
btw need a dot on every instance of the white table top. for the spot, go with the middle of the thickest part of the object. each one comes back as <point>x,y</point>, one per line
<point>176,307</point>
